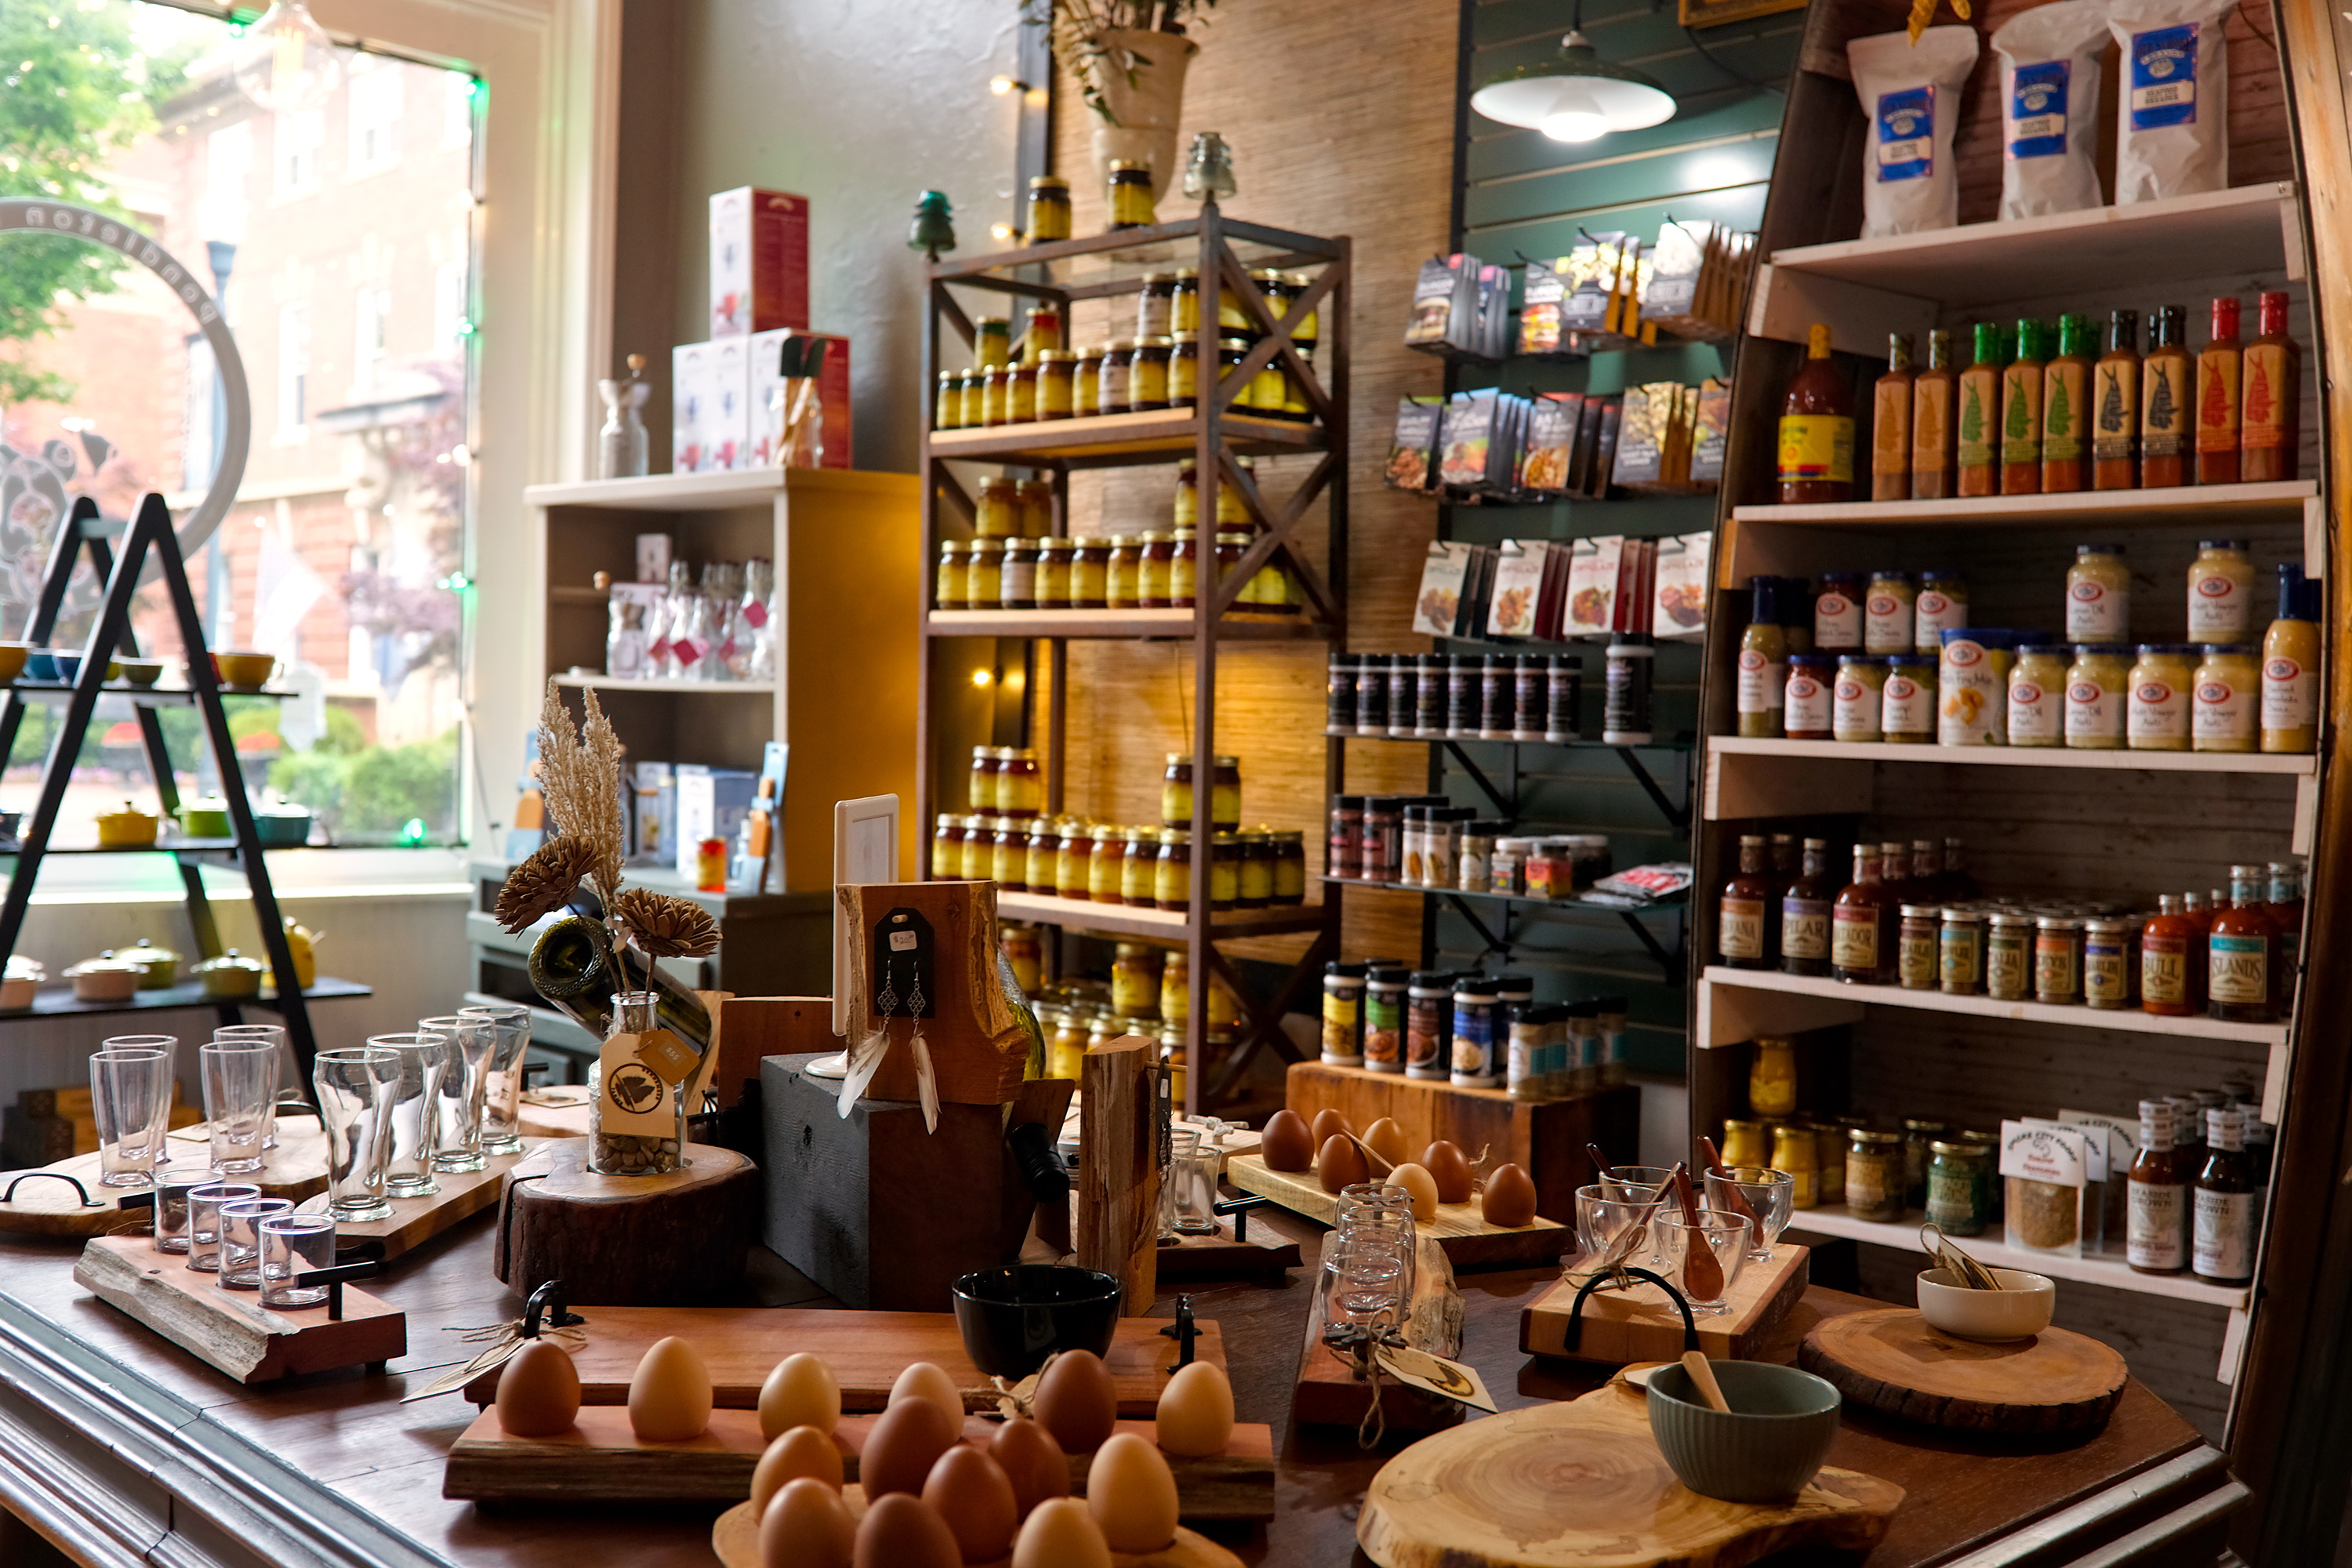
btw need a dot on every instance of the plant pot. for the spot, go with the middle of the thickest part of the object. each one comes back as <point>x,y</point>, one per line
<point>1143,113</point>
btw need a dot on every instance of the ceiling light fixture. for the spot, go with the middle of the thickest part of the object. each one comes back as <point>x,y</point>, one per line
<point>1575,96</point>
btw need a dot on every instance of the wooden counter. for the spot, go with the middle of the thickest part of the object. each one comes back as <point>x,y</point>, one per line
<point>110,1440</point>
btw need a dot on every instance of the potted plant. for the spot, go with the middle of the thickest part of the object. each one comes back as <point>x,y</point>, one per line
<point>1128,57</point>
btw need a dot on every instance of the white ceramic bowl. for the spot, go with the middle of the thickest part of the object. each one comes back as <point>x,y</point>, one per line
<point>2018,1312</point>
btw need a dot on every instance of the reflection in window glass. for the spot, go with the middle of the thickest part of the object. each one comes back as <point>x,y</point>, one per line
<point>340,241</point>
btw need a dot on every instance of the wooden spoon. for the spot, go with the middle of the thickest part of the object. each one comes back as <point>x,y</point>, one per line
<point>1737,1199</point>
<point>1702,1377</point>
<point>1702,1274</point>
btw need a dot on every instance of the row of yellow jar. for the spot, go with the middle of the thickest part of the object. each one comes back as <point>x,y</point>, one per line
<point>1158,570</point>
<point>1170,302</point>
<point>1072,1032</point>
<point>1125,376</point>
<point>1142,868</point>
<point>1006,781</point>
<point>1013,508</point>
<point>2170,697</point>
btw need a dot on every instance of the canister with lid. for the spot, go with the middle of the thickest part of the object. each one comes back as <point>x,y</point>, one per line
<point>2098,691</point>
<point>1429,695</point>
<point>2008,956</point>
<point>1956,1187</point>
<point>1340,695</point>
<point>1959,953</point>
<point>1529,716</point>
<point>1343,847</point>
<point>1857,703</point>
<point>1499,692</point>
<point>1907,700</point>
<point>1564,701</point>
<point>1475,1005</point>
<point>1343,1014</point>
<point>1526,1062</point>
<point>1384,1008</point>
<point>1429,1024</point>
<point>2156,719</point>
<point>1477,867</point>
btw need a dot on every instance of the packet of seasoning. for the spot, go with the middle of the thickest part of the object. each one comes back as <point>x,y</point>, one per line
<point>2172,131</point>
<point>2044,1170</point>
<point>1539,332</point>
<point>2049,107</point>
<point>1414,446</point>
<point>1912,99</point>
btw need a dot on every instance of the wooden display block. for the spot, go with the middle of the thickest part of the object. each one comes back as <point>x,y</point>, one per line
<point>1544,1138</point>
<point>296,1169</point>
<point>1467,1238</point>
<point>1623,1327</point>
<point>1116,1206</point>
<point>1328,1390</point>
<point>735,1541</point>
<point>1220,1256</point>
<point>866,1351</point>
<point>676,1239</point>
<point>416,1221</point>
<point>601,1459</point>
<point>1581,1482</point>
<point>231,1330</point>
<point>979,1049</point>
<point>1893,1362</point>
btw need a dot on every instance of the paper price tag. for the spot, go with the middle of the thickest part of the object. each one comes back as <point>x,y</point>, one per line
<point>1436,1374</point>
<point>668,1056</point>
<point>635,1100</point>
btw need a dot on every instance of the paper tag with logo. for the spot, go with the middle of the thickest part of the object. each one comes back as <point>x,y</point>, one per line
<point>1436,1374</point>
<point>670,1057</point>
<point>635,1100</point>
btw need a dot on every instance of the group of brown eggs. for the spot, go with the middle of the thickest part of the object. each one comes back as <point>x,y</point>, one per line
<point>933,1499</point>
<point>1339,1159</point>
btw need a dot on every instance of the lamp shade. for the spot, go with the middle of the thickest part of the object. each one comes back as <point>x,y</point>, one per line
<point>1575,96</point>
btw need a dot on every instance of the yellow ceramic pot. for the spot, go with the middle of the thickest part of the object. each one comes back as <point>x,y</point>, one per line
<point>130,828</point>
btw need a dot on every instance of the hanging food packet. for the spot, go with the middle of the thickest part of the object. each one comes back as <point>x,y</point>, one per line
<point>2049,108</point>
<point>1912,95</point>
<point>2172,117</point>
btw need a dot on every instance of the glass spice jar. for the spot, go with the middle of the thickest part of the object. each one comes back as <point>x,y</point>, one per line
<point>1054,574</point>
<point>1960,954</point>
<point>1956,1187</point>
<point>2057,960</point>
<point>1176,791</point>
<point>1021,394</point>
<point>1255,873</point>
<point>1131,204</point>
<point>1874,1175</point>
<point>1147,382</point>
<point>1115,380</point>
<point>1139,867</point>
<point>998,513</point>
<point>1049,209</point>
<point>1183,568</point>
<point>2008,957</point>
<point>1917,958</point>
<point>1344,840</point>
<point>1074,857</point>
<point>1152,570</point>
<point>983,584</point>
<point>2109,962</point>
<point>1090,572</point>
<point>1019,581</point>
<point>1171,878</point>
<point>1183,370</point>
<point>1056,368</point>
<point>948,590</point>
<point>1290,867</point>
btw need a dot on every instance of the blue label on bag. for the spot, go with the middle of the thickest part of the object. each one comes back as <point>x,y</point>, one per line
<point>2037,109</point>
<point>2164,76</point>
<point>1907,133</point>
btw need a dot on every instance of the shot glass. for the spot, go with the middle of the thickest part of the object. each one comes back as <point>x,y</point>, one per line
<point>203,1220</point>
<point>1367,1283</point>
<point>464,1079</point>
<point>1770,1195</point>
<point>356,1088</point>
<point>240,1240</point>
<point>1609,1227</point>
<point>240,1078</point>
<point>1725,1237</point>
<point>130,1100</point>
<point>502,1099</point>
<point>172,1190</point>
<point>1642,1182</point>
<point>290,1073</point>
<point>292,1245</point>
<point>421,1060</point>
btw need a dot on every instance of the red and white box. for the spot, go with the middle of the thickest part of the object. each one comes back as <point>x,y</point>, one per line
<point>692,382</point>
<point>759,261</point>
<point>832,390</point>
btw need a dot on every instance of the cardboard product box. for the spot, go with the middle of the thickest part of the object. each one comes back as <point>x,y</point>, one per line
<point>727,416</point>
<point>766,357</point>
<point>628,644</point>
<point>653,820</point>
<point>712,804</point>
<point>691,382</point>
<point>759,261</point>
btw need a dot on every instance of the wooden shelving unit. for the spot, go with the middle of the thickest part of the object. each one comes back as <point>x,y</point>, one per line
<point>1214,435</point>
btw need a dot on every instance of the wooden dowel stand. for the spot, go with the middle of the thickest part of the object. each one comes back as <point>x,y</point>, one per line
<point>1119,1168</point>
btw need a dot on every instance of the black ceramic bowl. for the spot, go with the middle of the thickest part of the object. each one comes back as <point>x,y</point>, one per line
<point>1012,1318</point>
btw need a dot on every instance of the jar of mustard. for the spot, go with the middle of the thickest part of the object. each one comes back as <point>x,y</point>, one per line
<point>995,391</point>
<point>1090,572</point>
<point>1049,208</point>
<point>998,512</point>
<point>1183,568</point>
<point>2156,719</point>
<point>1772,1077</point>
<point>1138,869</point>
<point>1055,370</point>
<point>1172,881</point>
<point>1183,369</point>
<point>2037,695</point>
<point>1086,381</point>
<point>1225,794</point>
<point>1131,200</point>
<point>983,585</point>
<point>2221,592</point>
<point>1941,606</point>
<point>2098,689</point>
<point>972,387</point>
<point>2227,699</point>
<point>948,413</point>
<point>1907,700</point>
<point>1858,702</point>
<point>1054,574</point>
<point>1889,623</point>
<point>948,593</point>
<point>1793,1150</point>
<point>1744,1143</point>
<point>1147,382</point>
<point>2098,595</point>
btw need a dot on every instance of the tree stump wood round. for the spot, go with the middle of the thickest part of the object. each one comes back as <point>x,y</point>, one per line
<point>677,1240</point>
<point>1894,1363</point>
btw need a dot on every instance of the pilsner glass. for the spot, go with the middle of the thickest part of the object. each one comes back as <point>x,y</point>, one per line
<point>502,1101</point>
<point>130,1100</point>
<point>240,1078</point>
<point>465,1077</point>
<point>422,1058</point>
<point>355,1089</point>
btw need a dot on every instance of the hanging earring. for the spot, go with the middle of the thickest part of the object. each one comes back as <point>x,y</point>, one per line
<point>886,1001</point>
<point>915,1000</point>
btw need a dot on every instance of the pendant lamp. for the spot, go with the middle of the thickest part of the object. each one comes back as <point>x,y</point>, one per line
<point>1575,96</point>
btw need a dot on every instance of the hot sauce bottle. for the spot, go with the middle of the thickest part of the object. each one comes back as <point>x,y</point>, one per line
<point>1977,458</point>
<point>2220,397</point>
<point>2272,375</point>
<point>2115,406</point>
<point>1890,424</point>
<point>2167,947</point>
<point>1817,429</point>
<point>2222,1226</point>
<point>1855,920</point>
<point>2165,381</point>
<point>1958,886</point>
<point>2020,414</point>
<point>2156,1197</point>
<point>2066,410</point>
<point>1933,393</point>
<point>2241,953</point>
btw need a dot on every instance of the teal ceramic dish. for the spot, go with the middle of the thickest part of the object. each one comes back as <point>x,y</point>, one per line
<point>1765,1450</point>
<point>282,827</point>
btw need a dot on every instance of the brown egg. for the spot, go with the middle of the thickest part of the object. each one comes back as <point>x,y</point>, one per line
<point>1286,1144</point>
<point>1329,1124</point>
<point>1386,1139</point>
<point>1032,1461</point>
<point>539,1391</point>
<point>670,1395</point>
<point>903,1531</point>
<point>904,1443</point>
<point>1196,1411</point>
<point>1510,1197</point>
<point>802,1451</point>
<point>806,1525</point>
<point>1132,1495</point>
<point>1446,1166</point>
<point>800,1392</point>
<point>925,1380</point>
<point>971,1493</point>
<point>1341,1165</point>
<point>1061,1533</point>
<point>1418,1182</point>
<point>1075,1402</point>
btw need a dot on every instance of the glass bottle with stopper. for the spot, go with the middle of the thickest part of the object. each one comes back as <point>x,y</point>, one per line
<point>621,451</point>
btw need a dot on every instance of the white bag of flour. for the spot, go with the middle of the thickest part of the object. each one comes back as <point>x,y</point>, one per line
<point>2049,108</point>
<point>2172,130</point>
<point>1912,95</point>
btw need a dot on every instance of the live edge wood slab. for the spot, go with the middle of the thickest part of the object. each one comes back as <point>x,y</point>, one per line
<point>1621,1327</point>
<point>635,1240</point>
<point>231,1330</point>
<point>600,1458</point>
<point>1896,1363</point>
<point>295,1169</point>
<point>1459,1228</point>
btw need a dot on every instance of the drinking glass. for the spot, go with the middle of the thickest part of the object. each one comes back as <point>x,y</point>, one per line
<point>1189,1192</point>
<point>172,1190</point>
<point>1376,1219</point>
<point>240,1080</point>
<point>1772,1196</point>
<point>203,1220</point>
<point>458,1107</point>
<point>1725,1236</point>
<point>502,1099</point>
<point>1642,1182</point>
<point>294,1244</point>
<point>1606,1224</point>
<point>355,1088</point>
<point>1366,1281</point>
<point>290,1073</point>
<point>130,1100</point>
<point>170,1043</point>
<point>240,1240</point>
<point>421,1060</point>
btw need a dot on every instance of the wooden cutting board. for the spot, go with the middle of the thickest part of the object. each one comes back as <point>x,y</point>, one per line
<point>601,1458</point>
<point>232,1330</point>
<point>1582,1485</point>
<point>1464,1233</point>
<point>736,1539</point>
<point>1621,1327</point>
<point>866,1351</point>
<point>296,1169</point>
<point>1894,1362</point>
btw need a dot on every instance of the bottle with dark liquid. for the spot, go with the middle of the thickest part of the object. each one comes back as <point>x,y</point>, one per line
<point>2220,398</point>
<point>2222,1244</point>
<point>1977,429</point>
<point>2285,903</point>
<point>2115,406</point>
<point>1805,914</point>
<point>1780,865</point>
<point>1928,886</point>
<point>1934,398</point>
<point>2154,1197</point>
<point>1816,462</point>
<point>568,970</point>
<point>1959,886</point>
<point>2166,400</point>
<point>2273,373</point>
<point>1739,919</point>
<point>1857,939</point>
<point>2066,410</point>
<point>2020,414</point>
<point>1890,424</point>
<point>2241,953</point>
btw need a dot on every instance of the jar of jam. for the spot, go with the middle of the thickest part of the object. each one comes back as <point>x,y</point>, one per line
<point>1184,301</point>
<point>1090,572</point>
<point>1959,953</point>
<point>1154,317</point>
<point>1131,202</point>
<point>1225,794</point>
<point>1138,869</point>
<point>1123,579</point>
<point>1147,383</point>
<point>972,387</point>
<point>1183,370</point>
<point>1224,870</point>
<point>1233,512</point>
<point>946,414</point>
<point>948,592</point>
<point>2057,959</point>
<point>1045,857</point>
<point>991,340</point>
<point>2008,957</point>
<point>1290,867</point>
<point>1055,369</point>
<point>1107,867</point>
<point>1254,874</point>
<point>1183,568</point>
<point>1036,498</point>
<point>979,848</point>
<point>995,395</point>
<point>1054,574</point>
<point>1874,1175</point>
<point>1231,352</point>
<point>1086,381</point>
<point>947,845</point>
<point>1267,390</point>
<point>1176,791</point>
<point>1049,209</point>
<point>1009,863</point>
<point>1021,394</point>
<point>1115,381</point>
<point>983,585</point>
<point>1073,856</point>
<point>1019,583</point>
<point>984,792</point>
<point>1295,407</point>
<point>1231,545</point>
<point>1171,879</point>
<point>1154,547</point>
<point>1020,782</point>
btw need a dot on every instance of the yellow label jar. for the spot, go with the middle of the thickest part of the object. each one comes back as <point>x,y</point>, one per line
<point>1054,574</point>
<point>1122,588</point>
<point>984,587</point>
<point>2098,687</point>
<point>2221,592</point>
<point>1907,700</point>
<point>1019,582</point>
<point>1037,498</point>
<point>1074,855</point>
<point>1858,702</point>
<point>1185,512</point>
<point>1107,865</point>
<point>1176,792</point>
<point>997,514</point>
<point>1225,794</point>
<point>1183,568</point>
<point>1152,572</point>
<point>1086,381</point>
<point>2158,716</point>
<point>1888,619</point>
<point>1152,301</point>
<point>972,387</point>
<point>1795,1151</point>
<point>2227,699</point>
<point>1941,606</point>
<point>1172,873</point>
<point>2037,695</point>
<point>1224,870</point>
<point>949,412</point>
<point>948,593</point>
<point>995,387</point>
<point>1184,302</point>
<point>1089,572</point>
<point>1131,204</point>
<point>979,848</point>
<point>1021,394</point>
<point>1147,385</point>
<point>1116,380</point>
<point>1290,867</point>
<point>1009,857</point>
<point>1772,1077</point>
<point>993,341</point>
<point>1049,209</point>
<point>1045,857</point>
<point>1054,370</point>
<point>1135,980</point>
<point>2098,595</point>
<point>1183,370</point>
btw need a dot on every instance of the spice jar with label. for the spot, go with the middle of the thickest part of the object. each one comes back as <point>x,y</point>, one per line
<point>991,340</point>
<point>2008,957</point>
<point>1857,703</point>
<point>947,845</point>
<point>2037,695</point>
<point>1956,1187</point>
<point>979,848</point>
<point>1008,853</point>
<point>2099,690</point>
<point>1147,382</point>
<point>2108,964</point>
<point>1429,1024</point>
<point>2221,592</point>
<point>1384,1018</point>
<point>1874,1175</point>
<point>1887,617</point>
<point>2057,959</point>
<point>1959,953</point>
<point>1907,700</point>
<point>1476,1006</point>
<point>1021,394</point>
<point>1918,958</point>
<point>1343,1015</point>
<point>1942,605</point>
<point>2226,699</point>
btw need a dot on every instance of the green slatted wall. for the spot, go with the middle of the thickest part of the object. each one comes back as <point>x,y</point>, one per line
<point>1526,195</point>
